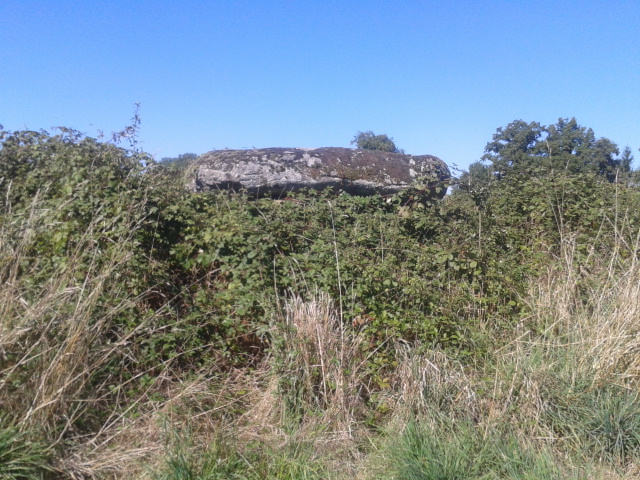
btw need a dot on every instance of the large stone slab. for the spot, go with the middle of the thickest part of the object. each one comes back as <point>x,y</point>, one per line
<point>276,171</point>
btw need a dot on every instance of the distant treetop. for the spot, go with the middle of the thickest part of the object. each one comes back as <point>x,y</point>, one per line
<point>371,141</point>
<point>184,157</point>
<point>525,148</point>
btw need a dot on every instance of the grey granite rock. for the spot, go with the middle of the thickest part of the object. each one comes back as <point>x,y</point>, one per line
<point>276,171</point>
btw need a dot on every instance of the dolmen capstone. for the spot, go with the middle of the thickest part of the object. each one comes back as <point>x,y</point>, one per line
<point>276,171</point>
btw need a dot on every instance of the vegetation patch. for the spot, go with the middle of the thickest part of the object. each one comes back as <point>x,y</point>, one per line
<point>150,332</point>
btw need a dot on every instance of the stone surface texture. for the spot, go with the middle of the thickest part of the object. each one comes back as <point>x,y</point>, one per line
<point>276,171</point>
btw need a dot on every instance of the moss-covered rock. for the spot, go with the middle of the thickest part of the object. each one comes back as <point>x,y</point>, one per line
<point>276,171</point>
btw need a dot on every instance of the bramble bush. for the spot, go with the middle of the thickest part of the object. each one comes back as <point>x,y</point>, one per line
<point>215,263</point>
<point>142,274</point>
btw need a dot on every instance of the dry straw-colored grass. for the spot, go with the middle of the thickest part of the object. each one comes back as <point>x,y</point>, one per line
<point>592,313</point>
<point>313,386</point>
<point>422,381</point>
<point>53,342</point>
<point>318,351</point>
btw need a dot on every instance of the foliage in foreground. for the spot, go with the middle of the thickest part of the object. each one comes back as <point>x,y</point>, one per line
<point>312,323</point>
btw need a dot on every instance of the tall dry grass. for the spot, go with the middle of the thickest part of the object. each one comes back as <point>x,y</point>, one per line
<point>57,336</point>
<point>537,408</point>
<point>564,389</point>
<point>313,387</point>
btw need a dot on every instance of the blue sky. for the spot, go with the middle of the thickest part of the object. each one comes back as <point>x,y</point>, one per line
<point>439,77</point>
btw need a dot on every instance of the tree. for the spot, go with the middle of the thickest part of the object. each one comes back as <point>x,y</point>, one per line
<point>182,157</point>
<point>530,148</point>
<point>477,181</point>
<point>626,159</point>
<point>371,141</point>
<point>179,163</point>
<point>575,149</point>
<point>514,148</point>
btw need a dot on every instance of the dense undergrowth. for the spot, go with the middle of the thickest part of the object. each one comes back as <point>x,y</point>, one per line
<point>149,332</point>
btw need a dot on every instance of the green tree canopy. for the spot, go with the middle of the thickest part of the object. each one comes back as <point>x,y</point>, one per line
<point>182,158</point>
<point>180,163</point>
<point>371,141</point>
<point>626,159</point>
<point>477,181</point>
<point>523,148</point>
<point>513,147</point>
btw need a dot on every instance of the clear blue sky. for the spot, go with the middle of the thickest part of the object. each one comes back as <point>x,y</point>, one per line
<point>437,76</point>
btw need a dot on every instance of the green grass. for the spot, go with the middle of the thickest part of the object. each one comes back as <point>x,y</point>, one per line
<point>22,458</point>
<point>226,459</point>
<point>441,449</point>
